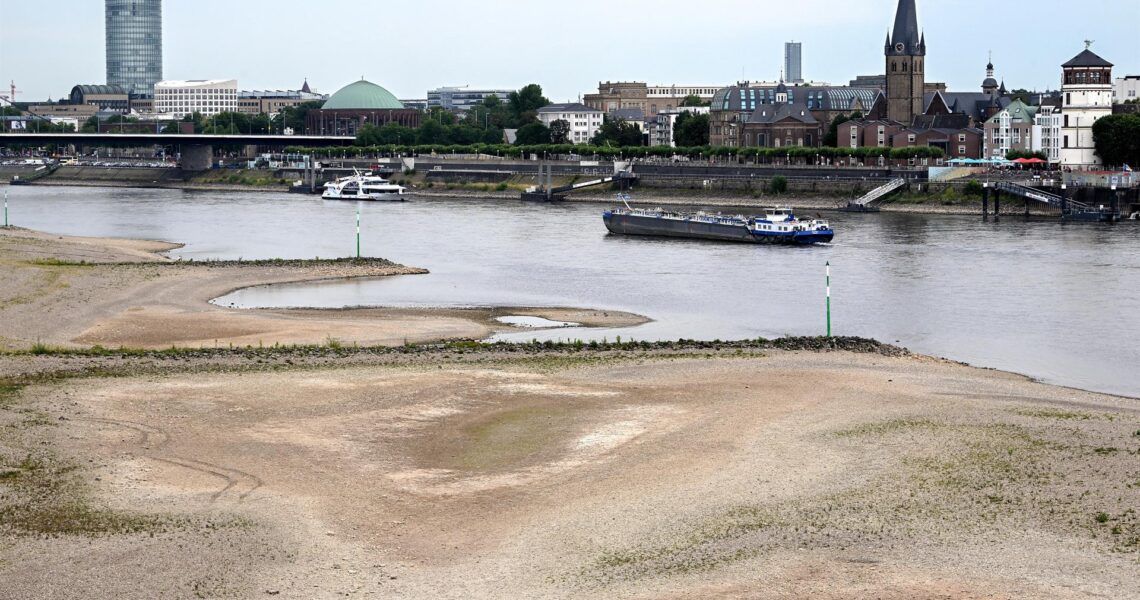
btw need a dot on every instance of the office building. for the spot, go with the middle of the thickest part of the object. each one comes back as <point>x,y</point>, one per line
<point>1126,89</point>
<point>271,102</point>
<point>462,99</point>
<point>665,125</point>
<point>584,121</point>
<point>651,99</point>
<point>134,44</point>
<point>205,96</point>
<point>794,62</point>
<point>105,97</point>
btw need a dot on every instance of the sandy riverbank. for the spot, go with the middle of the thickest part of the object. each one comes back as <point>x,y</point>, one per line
<point>796,468</point>
<point>556,474</point>
<point>68,291</point>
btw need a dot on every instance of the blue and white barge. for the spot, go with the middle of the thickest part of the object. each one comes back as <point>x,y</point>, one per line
<point>777,226</point>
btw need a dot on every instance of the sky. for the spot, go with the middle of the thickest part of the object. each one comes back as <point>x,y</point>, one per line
<point>567,47</point>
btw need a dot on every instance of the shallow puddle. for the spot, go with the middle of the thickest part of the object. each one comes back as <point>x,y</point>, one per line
<point>533,322</point>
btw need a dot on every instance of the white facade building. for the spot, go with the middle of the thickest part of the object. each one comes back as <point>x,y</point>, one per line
<point>662,134</point>
<point>1086,95</point>
<point>584,121</point>
<point>1047,132</point>
<point>1126,89</point>
<point>209,97</point>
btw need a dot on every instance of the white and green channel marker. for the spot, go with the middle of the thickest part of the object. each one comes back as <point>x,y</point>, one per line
<point>829,298</point>
<point>5,208</point>
<point>358,230</point>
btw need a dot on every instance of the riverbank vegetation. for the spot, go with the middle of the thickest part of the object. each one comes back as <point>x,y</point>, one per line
<point>794,155</point>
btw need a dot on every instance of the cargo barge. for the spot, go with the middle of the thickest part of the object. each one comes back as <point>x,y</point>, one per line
<point>776,226</point>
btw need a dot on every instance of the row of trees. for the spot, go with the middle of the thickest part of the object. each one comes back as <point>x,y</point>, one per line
<point>801,154</point>
<point>483,124</point>
<point>227,123</point>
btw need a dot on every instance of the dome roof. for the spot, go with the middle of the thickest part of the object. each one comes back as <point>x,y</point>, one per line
<point>362,95</point>
<point>990,82</point>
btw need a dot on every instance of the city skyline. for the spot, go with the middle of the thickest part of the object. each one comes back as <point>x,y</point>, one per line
<point>840,41</point>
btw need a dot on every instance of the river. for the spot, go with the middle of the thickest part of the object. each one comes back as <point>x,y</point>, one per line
<point>1059,302</point>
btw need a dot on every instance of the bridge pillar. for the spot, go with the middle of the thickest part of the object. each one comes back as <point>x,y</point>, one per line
<point>197,157</point>
<point>997,203</point>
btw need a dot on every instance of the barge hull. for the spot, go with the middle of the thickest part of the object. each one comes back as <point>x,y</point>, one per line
<point>649,226</point>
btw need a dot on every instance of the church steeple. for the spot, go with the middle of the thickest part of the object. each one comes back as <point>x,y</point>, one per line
<point>906,39</point>
<point>905,65</point>
<point>989,84</point>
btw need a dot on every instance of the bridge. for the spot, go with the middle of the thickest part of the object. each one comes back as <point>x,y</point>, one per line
<point>197,149</point>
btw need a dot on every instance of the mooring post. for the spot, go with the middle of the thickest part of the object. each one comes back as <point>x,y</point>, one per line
<point>986,201</point>
<point>829,298</point>
<point>997,203</point>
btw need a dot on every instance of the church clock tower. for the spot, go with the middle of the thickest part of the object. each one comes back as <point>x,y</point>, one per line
<point>906,65</point>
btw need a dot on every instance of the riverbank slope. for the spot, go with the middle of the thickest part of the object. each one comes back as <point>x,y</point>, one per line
<point>78,292</point>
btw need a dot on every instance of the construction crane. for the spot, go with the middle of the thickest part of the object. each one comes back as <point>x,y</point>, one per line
<point>11,97</point>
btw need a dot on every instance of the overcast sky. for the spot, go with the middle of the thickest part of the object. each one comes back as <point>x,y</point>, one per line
<point>567,47</point>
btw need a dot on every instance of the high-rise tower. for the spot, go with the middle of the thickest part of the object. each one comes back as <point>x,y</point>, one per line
<point>906,69</point>
<point>134,44</point>
<point>794,62</point>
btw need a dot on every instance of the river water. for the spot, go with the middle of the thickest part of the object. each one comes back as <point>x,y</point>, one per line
<point>1060,302</point>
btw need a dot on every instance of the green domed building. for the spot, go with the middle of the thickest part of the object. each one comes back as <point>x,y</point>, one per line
<point>358,104</point>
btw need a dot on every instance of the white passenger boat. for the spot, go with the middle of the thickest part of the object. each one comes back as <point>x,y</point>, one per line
<point>364,186</point>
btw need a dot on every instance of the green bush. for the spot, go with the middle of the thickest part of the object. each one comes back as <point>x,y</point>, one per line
<point>502,187</point>
<point>974,188</point>
<point>778,185</point>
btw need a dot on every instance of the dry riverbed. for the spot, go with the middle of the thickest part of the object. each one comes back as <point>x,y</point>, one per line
<point>452,473</point>
<point>78,292</point>
<point>785,469</point>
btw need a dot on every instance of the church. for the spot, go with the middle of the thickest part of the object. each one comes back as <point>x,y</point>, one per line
<point>914,112</point>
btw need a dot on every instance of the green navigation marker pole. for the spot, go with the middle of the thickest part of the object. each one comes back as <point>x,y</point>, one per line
<point>5,208</point>
<point>358,230</point>
<point>828,298</point>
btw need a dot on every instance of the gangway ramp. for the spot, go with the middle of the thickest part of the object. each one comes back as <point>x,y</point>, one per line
<point>1071,210</point>
<point>547,192</point>
<point>866,203</point>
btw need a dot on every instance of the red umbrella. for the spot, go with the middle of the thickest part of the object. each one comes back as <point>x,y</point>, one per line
<point>1034,161</point>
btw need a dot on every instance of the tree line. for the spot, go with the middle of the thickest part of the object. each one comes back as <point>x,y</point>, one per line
<point>584,150</point>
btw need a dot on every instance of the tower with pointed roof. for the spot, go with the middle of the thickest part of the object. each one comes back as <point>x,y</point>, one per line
<point>906,65</point>
<point>1086,89</point>
<point>989,84</point>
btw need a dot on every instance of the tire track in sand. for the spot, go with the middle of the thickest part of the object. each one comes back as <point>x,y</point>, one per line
<point>237,481</point>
